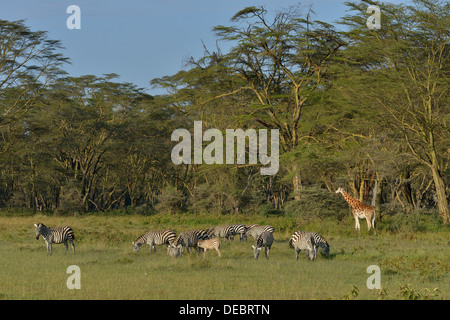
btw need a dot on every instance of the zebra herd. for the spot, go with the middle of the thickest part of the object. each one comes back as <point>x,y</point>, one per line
<point>201,240</point>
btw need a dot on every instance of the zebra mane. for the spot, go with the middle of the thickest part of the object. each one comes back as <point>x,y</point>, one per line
<point>140,240</point>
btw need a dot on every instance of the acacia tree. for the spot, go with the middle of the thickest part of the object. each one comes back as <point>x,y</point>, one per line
<point>275,65</point>
<point>281,61</point>
<point>411,51</point>
<point>29,61</point>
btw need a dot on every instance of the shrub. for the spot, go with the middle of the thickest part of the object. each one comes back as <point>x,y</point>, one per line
<point>317,203</point>
<point>413,222</point>
<point>268,209</point>
<point>171,200</point>
<point>70,198</point>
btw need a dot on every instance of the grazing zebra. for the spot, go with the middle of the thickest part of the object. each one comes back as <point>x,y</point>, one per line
<point>321,242</point>
<point>225,231</point>
<point>153,239</point>
<point>256,230</point>
<point>202,234</point>
<point>239,229</point>
<point>213,243</point>
<point>302,240</point>
<point>174,251</point>
<point>55,235</point>
<point>265,240</point>
<point>189,239</point>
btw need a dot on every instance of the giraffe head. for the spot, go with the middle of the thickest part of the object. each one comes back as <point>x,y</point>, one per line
<point>339,190</point>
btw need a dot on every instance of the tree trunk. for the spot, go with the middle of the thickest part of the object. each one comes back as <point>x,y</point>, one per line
<point>297,185</point>
<point>441,196</point>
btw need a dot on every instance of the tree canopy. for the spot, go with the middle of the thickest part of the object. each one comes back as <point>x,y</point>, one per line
<point>364,108</point>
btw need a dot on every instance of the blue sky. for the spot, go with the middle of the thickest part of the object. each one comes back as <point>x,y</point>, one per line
<point>142,39</point>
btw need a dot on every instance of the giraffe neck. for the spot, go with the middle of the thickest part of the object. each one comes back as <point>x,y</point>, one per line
<point>350,200</point>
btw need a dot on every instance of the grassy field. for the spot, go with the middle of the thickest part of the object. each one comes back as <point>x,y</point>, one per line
<point>414,265</point>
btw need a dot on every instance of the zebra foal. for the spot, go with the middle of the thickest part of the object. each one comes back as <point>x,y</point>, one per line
<point>265,240</point>
<point>210,244</point>
<point>55,235</point>
<point>153,239</point>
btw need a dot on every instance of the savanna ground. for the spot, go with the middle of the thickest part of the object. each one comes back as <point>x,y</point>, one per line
<point>414,263</point>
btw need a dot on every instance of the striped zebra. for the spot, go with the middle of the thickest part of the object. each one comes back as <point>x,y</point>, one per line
<point>210,244</point>
<point>302,240</point>
<point>265,240</point>
<point>174,251</point>
<point>321,242</point>
<point>224,231</point>
<point>55,235</point>
<point>239,229</point>
<point>256,230</point>
<point>153,239</point>
<point>189,239</point>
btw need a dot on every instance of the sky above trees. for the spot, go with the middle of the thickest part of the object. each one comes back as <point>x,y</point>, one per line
<point>142,40</point>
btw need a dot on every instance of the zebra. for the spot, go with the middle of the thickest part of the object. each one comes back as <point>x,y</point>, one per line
<point>265,240</point>
<point>153,239</point>
<point>213,243</point>
<point>202,234</point>
<point>239,229</point>
<point>188,239</point>
<point>256,230</point>
<point>224,231</point>
<point>321,242</point>
<point>174,251</point>
<point>302,240</point>
<point>55,235</point>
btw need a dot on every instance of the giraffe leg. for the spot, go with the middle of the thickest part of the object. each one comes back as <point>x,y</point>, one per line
<point>357,226</point>
<point>373,223</point>
<point>369,224</point>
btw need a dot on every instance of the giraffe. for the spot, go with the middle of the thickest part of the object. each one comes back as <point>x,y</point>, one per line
<point>359,210</point>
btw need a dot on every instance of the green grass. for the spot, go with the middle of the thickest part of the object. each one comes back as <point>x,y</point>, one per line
<point>413,264</point>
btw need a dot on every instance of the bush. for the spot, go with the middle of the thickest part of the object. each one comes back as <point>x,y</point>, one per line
<point>203,200</point>
<point>268,209</point>
<point>317,203</point>
<point>413,222</point>
<point>144,210</point>
<point>70,198</point>
<point>171,200</point>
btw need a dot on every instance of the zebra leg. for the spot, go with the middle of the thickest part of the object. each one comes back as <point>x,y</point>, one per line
<point>297,251</point>
<point>49,248</point>
<point>73,246</point>
<point>267,251</point>
<point>67,246</point>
